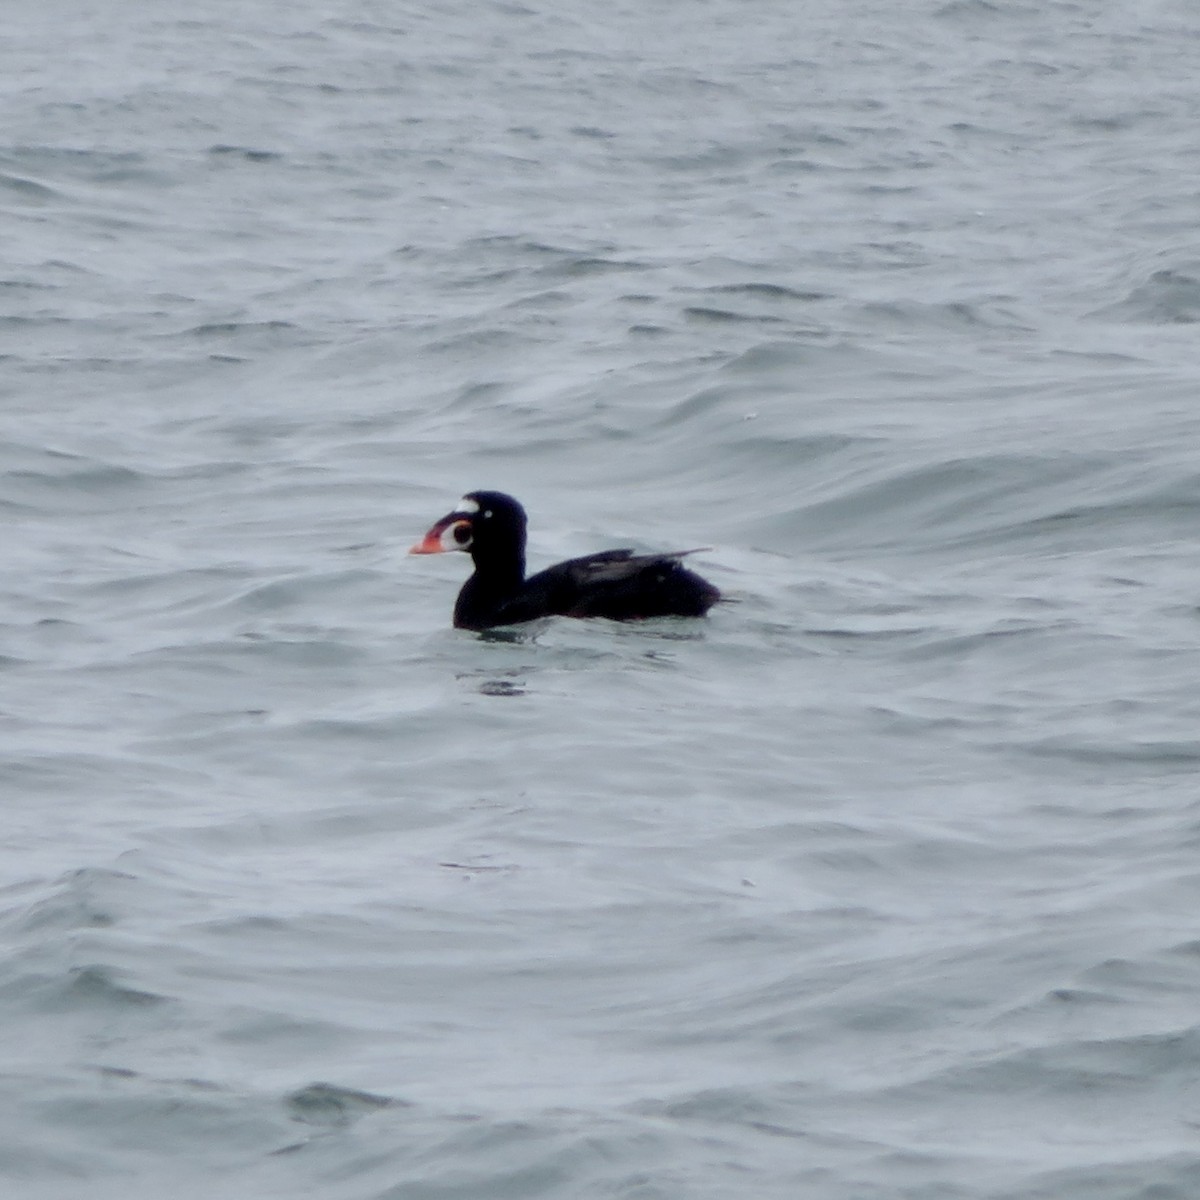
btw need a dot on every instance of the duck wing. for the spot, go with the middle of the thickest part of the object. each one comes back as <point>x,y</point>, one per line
<point>623,586</point>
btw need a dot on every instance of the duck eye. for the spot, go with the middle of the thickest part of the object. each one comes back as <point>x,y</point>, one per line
<point>462,533</point>
<point>487,514</point>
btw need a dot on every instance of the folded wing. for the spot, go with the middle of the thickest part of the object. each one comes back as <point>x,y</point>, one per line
<point>624,586</point>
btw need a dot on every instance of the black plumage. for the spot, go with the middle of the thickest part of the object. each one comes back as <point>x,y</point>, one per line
<point>617,584</point>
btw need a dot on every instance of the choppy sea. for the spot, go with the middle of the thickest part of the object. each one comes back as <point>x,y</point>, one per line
<point>881,883</point>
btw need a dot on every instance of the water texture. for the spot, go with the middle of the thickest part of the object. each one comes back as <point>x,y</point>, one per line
<point>880,882</point>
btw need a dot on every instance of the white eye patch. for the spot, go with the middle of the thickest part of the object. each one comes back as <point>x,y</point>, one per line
<point>467,505</point>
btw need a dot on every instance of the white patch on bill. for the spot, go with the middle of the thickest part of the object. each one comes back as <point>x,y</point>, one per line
<point>467,505</point>
<point>450,539</point>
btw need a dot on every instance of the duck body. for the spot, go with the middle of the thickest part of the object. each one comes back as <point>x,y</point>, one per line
<point>617,584</point>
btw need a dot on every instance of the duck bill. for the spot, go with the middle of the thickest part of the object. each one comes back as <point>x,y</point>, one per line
<point>440,538</point>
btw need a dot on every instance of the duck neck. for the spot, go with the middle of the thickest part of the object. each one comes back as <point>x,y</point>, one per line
<point>502,567</point>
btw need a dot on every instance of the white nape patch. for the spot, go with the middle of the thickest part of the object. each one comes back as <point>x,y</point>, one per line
<point>467,505</point>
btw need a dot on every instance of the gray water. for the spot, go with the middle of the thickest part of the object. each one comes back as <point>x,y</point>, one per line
<point>880,882</point>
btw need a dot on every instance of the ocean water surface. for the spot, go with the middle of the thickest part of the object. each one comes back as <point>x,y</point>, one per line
<point>878,883</point>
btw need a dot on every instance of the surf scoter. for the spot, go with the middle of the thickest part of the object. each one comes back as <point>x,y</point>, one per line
<point>617,584</point>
